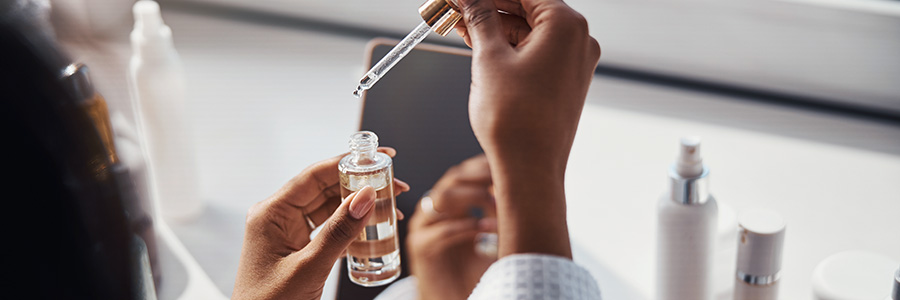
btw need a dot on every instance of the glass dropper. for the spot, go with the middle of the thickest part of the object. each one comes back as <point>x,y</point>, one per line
<point>392,58</point>
<point>438,15</point>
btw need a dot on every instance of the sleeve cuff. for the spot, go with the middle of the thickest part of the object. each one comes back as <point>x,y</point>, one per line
<point>536,276</point>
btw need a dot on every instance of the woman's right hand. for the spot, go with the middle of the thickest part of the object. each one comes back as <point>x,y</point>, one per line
<point>530,75</point>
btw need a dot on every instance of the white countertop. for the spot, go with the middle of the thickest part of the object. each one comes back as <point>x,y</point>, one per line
<point>269,101</point>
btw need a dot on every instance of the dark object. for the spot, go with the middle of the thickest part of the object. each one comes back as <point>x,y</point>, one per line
<point>69,235</point>
<point>896,293</point>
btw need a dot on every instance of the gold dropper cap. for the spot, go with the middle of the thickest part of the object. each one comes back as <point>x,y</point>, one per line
<point>440,15</point>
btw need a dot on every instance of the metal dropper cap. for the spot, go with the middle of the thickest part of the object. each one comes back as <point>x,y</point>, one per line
<point>440,15</point>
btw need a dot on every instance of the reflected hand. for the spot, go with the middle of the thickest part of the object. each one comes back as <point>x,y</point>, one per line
<point>442,244</point>
<point>278,259</point>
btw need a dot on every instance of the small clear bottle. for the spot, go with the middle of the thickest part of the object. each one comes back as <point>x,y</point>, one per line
<point>374,258</point>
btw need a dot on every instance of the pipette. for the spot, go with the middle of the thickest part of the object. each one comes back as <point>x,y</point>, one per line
<point>438,15</point>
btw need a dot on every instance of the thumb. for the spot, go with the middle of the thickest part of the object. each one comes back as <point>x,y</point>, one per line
<point>483,24</point>
<point>344,226</point>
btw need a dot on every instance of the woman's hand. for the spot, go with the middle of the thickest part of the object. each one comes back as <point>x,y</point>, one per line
<point>531,69</point>
<point>278,259</point>
<point>441,240</point>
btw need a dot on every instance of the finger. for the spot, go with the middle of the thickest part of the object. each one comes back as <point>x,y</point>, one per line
<point>320,214</point>
<point>400,215</point>
<point>513,7</point>
<point>388,150</point>
<point>328,194</point>
<point>333,192</point>
<point>320,209</point>
<point>311,183</point>
<point>487,225</point>
<point>533,8</point>
<point>422,217</point>
<point>515,27</point>
<point>450,233</point>
<point>474,169</point>
<point>400,187</point>
<point>457,199</point>
<point>483,24</point>
<point>317,183</point>
<point>342,228</point>
<point>461,31</point>
<point>554,16</point>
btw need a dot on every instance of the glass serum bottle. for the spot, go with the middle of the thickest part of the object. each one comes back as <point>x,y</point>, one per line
<point>374,258</point>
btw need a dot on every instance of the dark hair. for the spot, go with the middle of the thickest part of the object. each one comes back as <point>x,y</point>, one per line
<point>68,236</point>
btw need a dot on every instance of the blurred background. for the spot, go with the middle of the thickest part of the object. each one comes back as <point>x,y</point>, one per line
<point>798,102</point>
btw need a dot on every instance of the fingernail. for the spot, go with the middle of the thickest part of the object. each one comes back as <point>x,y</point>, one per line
<point>362,202</point>
<point>403,185</point>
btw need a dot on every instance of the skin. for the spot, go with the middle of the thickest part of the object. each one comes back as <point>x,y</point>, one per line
<point>278,260</point>
<point>532,66</point>
<point>530,74</point>
<point>441,244</point>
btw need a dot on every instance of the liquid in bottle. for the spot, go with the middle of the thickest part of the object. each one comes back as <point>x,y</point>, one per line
<point>373,259</point>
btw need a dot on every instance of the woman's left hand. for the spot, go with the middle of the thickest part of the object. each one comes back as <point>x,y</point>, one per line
<point>442,232</point>
<point>278,259</point>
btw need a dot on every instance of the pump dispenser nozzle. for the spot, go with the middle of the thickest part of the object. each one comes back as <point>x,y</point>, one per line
<point>147,19</point>
<point>688,175</point>
<point>146,15</point>
<point>689,163</point>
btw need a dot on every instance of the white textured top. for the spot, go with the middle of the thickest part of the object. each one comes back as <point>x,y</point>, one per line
<point>534,276</point>
<point>521,277</point>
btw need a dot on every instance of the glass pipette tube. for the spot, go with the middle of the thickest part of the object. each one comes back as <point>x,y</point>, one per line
<point>392,58</point>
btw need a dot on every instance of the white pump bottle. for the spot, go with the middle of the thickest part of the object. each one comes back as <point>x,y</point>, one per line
<point>686,233</point>
<point>157,87</point>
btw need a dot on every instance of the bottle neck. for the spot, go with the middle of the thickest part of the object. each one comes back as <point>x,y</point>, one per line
<point>363,156</point>
<point>363,147</point>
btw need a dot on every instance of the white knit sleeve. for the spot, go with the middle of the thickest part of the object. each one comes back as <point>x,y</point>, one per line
<point>535,276</point>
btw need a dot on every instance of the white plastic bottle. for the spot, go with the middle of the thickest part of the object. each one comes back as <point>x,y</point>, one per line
<point>686,233</point>
<point>157,86</point>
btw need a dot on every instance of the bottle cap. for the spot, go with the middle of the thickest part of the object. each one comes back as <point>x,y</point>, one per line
<point>854,274</point>
<point>78,80</point>
<point>761,239</point>
<point>440,15</point>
